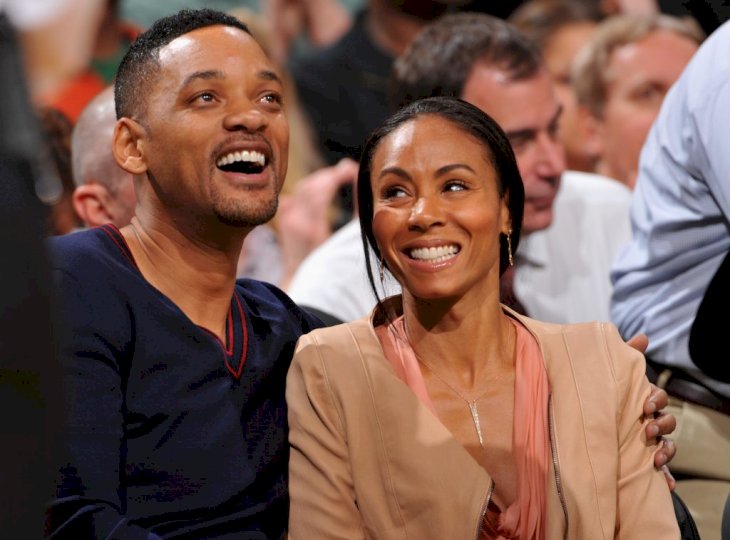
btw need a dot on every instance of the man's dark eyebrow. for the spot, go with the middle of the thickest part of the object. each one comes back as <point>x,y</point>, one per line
<point>204,75</point>
<point>530,132</point>
<point>269,75</point>
<point>557,115</point>
<point>520,134</point>
<point>265,74</point>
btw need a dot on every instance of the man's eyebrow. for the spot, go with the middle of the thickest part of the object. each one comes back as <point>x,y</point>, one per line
<point>530,132</point>
<point>557,114</point>
<point>203,75</point>
<point>521,133</point>
<point>269,75</point>
<point>209,74</point>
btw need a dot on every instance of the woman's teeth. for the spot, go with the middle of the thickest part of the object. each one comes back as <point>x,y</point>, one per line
<point>434,254</point>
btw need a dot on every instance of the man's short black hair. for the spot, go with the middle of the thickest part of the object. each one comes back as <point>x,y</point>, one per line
<point>440,59</point>
<point>139,65</point>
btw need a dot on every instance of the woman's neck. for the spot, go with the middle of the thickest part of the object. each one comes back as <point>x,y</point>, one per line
<point>469,339</point>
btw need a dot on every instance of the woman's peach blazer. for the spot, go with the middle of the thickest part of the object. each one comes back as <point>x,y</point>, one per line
<point>369,460</point>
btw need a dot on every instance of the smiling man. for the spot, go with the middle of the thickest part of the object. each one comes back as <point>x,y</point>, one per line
<point>174,372</point>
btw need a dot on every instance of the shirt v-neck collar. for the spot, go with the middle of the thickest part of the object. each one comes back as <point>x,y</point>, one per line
<point>236,347</point>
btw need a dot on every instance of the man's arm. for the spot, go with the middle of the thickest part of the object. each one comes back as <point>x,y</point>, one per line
<point>90,499</point>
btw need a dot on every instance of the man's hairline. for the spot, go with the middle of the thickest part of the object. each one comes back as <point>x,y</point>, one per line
<point>154,60</point>
<point>539,72</point>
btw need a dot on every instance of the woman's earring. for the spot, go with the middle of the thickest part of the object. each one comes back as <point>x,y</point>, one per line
<point>381,271</point>
<point>509,248</point>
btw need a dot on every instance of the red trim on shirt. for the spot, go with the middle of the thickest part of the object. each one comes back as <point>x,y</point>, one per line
<point>244,347</point>
<point>115,234</point>
<point>228,348</point>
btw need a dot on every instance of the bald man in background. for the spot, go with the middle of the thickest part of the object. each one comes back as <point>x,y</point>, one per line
<point>104,191</point>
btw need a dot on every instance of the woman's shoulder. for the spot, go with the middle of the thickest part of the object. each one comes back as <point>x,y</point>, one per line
<point>589,344</point>
<point>341,347</point>
<point>591,333</point>
<point>590,355</point>
<point>340,336</point>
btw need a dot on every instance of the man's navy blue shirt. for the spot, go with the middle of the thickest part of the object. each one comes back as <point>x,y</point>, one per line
<point>168,431</point>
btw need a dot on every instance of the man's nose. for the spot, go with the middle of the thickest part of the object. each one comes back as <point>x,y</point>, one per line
<point>550,156</point>
<point>243,115</point>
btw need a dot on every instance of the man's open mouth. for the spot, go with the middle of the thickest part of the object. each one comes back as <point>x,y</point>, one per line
<point>245,161</point>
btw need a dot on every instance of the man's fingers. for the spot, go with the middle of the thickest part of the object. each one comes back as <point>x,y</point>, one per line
<point>671,482</point>
<point>663,424</point>
<point>657,400</point>
<point>639,342</point>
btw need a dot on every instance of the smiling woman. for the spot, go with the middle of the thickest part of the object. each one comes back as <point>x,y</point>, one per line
<point>445,414</point>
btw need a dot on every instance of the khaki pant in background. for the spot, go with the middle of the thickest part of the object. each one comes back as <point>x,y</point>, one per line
<point>703,454</point>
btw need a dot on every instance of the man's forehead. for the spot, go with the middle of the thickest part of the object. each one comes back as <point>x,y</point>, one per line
<point>511,102</point>
<point>211,42</point>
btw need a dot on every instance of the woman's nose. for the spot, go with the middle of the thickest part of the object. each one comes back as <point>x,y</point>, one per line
<point>425,213</point>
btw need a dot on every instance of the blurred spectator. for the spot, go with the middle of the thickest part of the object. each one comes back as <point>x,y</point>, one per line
<point>709,13</point>
<point>621,78</point>
<point>144,12</point>
<point>560,28</point>
<point>343,88</point>
<point>112,40</point>
<point>104,191</point>
<point>57,38</point>
<point>630,7</point>
<point>320,22</point>
<point>56,129</point>
<point>679,218</point>
<point>29,375</point>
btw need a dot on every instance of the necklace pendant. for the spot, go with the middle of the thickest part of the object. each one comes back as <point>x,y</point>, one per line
<point>475,418</point>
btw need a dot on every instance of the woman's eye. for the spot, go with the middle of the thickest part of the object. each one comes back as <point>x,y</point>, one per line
<point>394,193</point>
<point>454,186</point>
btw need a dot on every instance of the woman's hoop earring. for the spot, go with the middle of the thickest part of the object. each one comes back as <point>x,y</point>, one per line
<point>509,248</point>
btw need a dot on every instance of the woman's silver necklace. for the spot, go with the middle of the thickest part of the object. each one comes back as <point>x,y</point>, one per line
<point>472,403</point>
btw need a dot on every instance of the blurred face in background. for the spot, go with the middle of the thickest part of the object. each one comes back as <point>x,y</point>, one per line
<point>528,111</point>
<point>559,53</point>
<point>640,74</point>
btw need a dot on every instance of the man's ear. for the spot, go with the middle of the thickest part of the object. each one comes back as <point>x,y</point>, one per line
<point>92,203</point>
<point>128,145</point>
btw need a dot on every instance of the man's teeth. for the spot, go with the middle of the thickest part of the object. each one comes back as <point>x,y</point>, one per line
<point>434,254</point>
<point>249,156</point>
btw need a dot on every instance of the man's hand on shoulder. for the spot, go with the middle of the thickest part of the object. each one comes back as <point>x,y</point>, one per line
<point>659,423</point>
